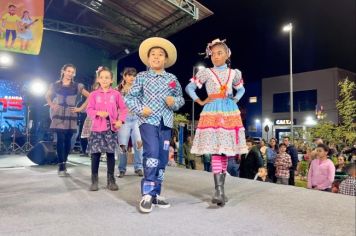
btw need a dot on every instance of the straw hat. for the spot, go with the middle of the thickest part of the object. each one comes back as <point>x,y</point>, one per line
<point>149,43</point>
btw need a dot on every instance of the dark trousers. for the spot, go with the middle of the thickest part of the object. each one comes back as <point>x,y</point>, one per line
<point>155,141</point>
<point>232,167</point>
<point>207,166</point>
<point>63,145</point>
<point>291,177</point>
<point>190,164</point>
<point>84,144</point>
<point>271,171</point>
<point>110,161</point>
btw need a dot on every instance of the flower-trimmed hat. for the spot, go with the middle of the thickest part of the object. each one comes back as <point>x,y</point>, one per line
<point>149,43</point>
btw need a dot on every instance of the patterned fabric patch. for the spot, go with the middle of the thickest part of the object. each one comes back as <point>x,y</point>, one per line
<point>151,162</point>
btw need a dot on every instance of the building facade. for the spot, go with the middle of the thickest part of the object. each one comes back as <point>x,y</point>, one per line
<point>314,90</point>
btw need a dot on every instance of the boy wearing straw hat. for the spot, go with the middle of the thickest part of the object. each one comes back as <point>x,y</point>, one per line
<point>154,96</point>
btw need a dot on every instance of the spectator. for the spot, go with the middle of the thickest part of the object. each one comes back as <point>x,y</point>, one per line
<point>262,175</point>
<point>250,162</point>
<point>263,150</point>
<point>348,185</point>
<point>322,170</point>
<point>171,159</point>
<point>189,158</point>
<point>232,166</point>
<point>206,159</point>
<point>272,151</point>
<point>282,163</point>
<point>340,171</point>
<point>293,153</point>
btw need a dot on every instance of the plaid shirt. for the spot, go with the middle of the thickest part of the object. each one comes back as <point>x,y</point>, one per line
<point>282,164</point>
<point>348,186</point>
<point>151,89</point>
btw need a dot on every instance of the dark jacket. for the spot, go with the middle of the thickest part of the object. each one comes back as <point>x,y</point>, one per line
<point>293,153</point>
<point>249,164</point>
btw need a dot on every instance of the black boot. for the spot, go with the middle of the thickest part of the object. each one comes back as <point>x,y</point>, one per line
<point>223,188</point>
<point>111,183</point>
<point>94,183</point>
<point>62,170</point>
<point>218,196</point>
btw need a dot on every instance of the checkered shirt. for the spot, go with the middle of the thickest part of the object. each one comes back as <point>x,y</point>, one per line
<point>348,186</point>
<point>151,89</point>
<point>282,163</point>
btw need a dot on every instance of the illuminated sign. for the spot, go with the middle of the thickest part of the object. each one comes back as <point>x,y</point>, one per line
<point>284,122</point>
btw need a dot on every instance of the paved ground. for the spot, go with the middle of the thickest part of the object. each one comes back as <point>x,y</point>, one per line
<point>35,201</point>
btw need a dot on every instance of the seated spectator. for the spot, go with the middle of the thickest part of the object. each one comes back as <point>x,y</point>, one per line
<point>348,185</point>
<point>322,170</point>
<point>282,163</point>
<point>335,186</point>
<point>262,175</point>
<point>340,172</point>
<point>250,162</point>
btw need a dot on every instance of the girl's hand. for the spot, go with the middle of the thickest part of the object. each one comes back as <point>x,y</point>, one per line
<point>54,106</point>
<point>146,111</point>
<point>75,109</point>
<point>118,124</point>
<point>207,100</point>
<point>102,114</point>
<point>170,101</point>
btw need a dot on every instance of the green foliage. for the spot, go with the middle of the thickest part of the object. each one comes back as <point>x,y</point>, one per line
<point>180,119</point>
<point>346,105</point>
<point>324,129</point>
<point>303,168</point>
<point>345,131</point>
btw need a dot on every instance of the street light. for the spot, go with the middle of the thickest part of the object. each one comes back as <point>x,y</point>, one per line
<point>289,28</point>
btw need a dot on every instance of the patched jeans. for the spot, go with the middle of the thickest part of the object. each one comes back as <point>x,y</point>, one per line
<point>155,157</point>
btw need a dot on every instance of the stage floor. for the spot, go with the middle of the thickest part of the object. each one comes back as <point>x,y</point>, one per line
<point>35,201</point>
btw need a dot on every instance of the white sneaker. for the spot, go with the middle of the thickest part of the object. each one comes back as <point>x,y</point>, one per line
<point>146,204</point>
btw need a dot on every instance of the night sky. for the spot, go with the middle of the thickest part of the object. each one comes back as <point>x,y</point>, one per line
<point>323,37</point>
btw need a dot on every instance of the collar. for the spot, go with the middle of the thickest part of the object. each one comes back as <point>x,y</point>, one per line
<point>223,67</point>
<point>153,73</point>
<point>102,91</point>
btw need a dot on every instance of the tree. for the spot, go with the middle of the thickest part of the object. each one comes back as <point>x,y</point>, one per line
<point>346,105</point>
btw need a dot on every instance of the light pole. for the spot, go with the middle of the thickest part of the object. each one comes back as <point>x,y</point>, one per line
<point>289,28</point>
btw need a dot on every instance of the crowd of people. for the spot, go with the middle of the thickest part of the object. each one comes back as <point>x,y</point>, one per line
<point>325,167</point>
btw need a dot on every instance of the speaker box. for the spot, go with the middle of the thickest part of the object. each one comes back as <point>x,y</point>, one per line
<point>43,153</point>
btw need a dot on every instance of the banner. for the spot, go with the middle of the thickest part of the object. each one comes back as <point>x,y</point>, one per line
<point>21,25</point>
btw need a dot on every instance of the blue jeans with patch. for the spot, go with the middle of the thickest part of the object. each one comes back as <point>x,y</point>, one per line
<point>127,130</point>
<point>155,157</point>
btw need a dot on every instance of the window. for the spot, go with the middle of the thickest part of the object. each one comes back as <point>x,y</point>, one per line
<point>303,101</point>
<point>253,99</point>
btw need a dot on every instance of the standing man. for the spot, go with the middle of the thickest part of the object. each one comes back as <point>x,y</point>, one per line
<point>293,153</point>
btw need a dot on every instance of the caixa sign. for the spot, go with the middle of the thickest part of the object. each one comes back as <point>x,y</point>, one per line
<point>284,122</point>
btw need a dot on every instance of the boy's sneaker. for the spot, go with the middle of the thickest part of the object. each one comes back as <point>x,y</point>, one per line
<point>160,202</point>
<point>146,204</point>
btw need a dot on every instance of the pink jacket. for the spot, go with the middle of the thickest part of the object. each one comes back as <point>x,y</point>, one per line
<point>321,174</point>
<point>110,101</point>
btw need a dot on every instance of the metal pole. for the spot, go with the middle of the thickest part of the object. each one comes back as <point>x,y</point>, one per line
<point>291,81</point>
<point>193,110</point>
